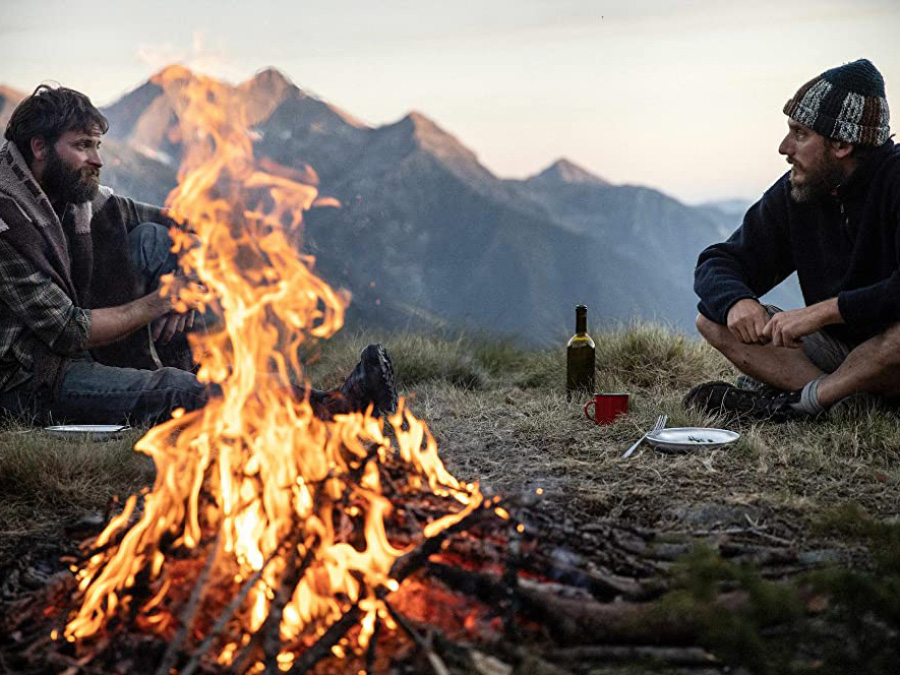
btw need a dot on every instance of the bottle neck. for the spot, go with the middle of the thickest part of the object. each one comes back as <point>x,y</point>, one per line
<point>581,322</point>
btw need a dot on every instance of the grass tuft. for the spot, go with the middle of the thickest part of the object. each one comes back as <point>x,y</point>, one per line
<point>648,356</point>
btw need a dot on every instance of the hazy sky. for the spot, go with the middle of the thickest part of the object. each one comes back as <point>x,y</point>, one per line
<point>682,96</point>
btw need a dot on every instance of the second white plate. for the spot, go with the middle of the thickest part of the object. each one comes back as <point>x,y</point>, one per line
<point>685,439</point>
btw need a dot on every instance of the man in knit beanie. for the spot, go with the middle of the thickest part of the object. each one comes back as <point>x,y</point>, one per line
<point>834,219</point>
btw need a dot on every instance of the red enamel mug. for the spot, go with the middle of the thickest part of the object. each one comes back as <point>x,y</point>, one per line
<point>607,407</point>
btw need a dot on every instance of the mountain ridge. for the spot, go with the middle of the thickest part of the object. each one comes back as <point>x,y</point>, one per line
<point>427,235</point>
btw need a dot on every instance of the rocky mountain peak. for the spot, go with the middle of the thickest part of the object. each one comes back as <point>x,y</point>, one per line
<point>268,88</point>
<point>272,77</point>
<point>176,71</point>
<point>566,171</point>
<point>434,139</point>
<point>419,120</point>
<point>439,234</point>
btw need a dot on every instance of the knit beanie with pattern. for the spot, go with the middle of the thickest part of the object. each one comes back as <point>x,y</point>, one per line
<point>846,103</point>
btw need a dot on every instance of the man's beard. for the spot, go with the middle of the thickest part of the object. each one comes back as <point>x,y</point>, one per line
<point>64,184</point>
<point>818,180</point>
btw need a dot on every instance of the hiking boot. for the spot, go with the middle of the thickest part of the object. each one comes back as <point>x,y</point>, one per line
<point>372,381</point>
<point>721,397</point>
<point>752,384</point>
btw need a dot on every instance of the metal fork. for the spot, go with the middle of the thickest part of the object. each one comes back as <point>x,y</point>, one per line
<point>659,426</point>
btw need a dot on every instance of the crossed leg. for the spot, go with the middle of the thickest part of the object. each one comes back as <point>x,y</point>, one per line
<point>872,367</point>
<point>787,369</point>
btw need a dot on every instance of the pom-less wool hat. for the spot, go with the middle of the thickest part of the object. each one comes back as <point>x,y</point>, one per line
<point>846,103</point>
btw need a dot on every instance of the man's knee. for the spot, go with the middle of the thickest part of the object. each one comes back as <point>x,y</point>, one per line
<point>889,346</point>
<point>150,240</point>
<point>712,332</point>
<point>179,389</point>
<point>151,252</point>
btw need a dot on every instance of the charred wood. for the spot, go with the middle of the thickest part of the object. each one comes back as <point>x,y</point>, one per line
<point>579,621</point>
<point>271,628</point>
<point>410,562</point>
<point>322,647</point>
<point>190,610</point>
<point>226,615</point>
<point>424,645</point>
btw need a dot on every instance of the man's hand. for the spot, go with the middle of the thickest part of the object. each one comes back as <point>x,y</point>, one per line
<point>787,329</point>
<point>746,321</point>
<point>173,323</point>
<point>170,290</point>
<point>165,327</point>
<point>113,323</point>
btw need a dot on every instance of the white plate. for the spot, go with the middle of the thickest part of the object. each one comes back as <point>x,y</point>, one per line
<point>95,432</point>
<point>685,439</point>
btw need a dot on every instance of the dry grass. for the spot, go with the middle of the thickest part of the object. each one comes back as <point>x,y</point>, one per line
<point>500,416</point>
<point>47,482</point>
<point>515,431</point>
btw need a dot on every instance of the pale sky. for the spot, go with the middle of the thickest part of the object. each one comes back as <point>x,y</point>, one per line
<point>685,97</point>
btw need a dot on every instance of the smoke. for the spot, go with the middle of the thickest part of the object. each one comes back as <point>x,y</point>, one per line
<point>200,56</point>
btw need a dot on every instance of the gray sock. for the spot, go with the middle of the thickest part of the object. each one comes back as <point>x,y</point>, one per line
<point>809,398</point>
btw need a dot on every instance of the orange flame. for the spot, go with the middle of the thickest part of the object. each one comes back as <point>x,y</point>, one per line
<point>255,470</point>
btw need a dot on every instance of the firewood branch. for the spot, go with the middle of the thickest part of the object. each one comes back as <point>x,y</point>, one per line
<point>323,645</point>
<point>410,562</point>
<point>190,610</point>
<point>437,664</point>
<point>225,617</point>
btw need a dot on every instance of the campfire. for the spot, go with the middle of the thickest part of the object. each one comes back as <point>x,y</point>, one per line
<point>274,541</point>
<point>265,530</point>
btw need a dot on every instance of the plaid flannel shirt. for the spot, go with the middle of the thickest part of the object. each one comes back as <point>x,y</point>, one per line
<point>34,308</point>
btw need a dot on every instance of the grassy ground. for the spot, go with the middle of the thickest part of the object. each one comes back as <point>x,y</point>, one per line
<point>500,416</point>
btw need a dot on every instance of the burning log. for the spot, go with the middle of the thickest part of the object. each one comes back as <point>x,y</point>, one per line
<point>434,660</point>
<point>272,626</point>
<point>581,620</point>
<point>412,561</point>
<point>329,639</point>
<point>225,617</point>
<point>584,632</point>
<point>190,610</point>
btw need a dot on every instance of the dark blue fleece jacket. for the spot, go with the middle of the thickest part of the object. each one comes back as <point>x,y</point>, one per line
<point>845,246</point>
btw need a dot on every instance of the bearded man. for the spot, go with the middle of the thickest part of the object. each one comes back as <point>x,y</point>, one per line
<point>85,336</point>
<point>835,220</point>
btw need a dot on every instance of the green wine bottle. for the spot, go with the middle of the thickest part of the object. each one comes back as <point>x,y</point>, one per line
<point>580,363</point>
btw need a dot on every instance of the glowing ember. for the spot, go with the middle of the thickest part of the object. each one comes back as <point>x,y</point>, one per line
<point>254,480</point>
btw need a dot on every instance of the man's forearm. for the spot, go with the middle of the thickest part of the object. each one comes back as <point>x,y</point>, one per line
<point>828,311</point>
<point>113,323</point>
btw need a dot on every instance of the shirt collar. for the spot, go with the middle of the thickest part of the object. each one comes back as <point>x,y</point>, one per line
<point>861,177</point>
